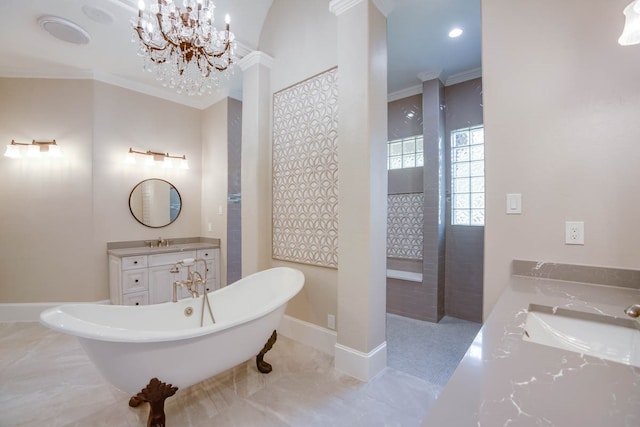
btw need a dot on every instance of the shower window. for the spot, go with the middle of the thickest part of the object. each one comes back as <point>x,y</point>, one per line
<point>405,153</point>
<point>467,176</point>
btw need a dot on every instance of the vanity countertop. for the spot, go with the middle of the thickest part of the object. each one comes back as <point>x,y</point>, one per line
<point>506,381</point>
<point>145,250</point>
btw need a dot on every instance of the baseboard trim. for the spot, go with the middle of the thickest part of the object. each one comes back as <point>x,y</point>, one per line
<point>363,366</point>
<point>30,311</point>
<point>314,336</point>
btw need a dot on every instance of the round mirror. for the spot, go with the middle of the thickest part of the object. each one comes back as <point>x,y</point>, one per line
<point>155,203</point>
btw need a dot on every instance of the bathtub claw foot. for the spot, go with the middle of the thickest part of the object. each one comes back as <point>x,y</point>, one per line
<point>263,366</point>
<point>155,393</point>
<point>134,402</point>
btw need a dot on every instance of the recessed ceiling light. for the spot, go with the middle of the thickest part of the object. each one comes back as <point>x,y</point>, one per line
<point>456,32</point>
<point>64,30</point>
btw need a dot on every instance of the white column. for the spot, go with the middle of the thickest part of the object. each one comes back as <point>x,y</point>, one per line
<point>256,158</point>
<point>362,203</point>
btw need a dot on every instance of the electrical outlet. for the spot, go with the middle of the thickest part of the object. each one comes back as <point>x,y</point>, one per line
<point>331,321</point>
<point>574,233</point>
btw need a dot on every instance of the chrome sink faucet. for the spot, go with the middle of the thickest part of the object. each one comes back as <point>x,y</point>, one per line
<point>633,311</point>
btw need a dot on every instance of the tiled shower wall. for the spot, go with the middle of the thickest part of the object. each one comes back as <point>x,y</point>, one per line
<point>452,263</point>
<point>464,265</point>
<point>405,120</point>
<point>404,225</point>
<point>234,202</point>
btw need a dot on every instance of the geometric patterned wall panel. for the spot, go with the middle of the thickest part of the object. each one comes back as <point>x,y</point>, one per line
<point>305,171</point>
<point>405,213</point>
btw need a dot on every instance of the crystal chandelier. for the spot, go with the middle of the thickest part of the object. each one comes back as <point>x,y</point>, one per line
<point>182,46</point>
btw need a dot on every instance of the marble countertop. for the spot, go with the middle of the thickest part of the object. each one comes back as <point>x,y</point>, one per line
<point>144,250</point>
<point>506,381</point>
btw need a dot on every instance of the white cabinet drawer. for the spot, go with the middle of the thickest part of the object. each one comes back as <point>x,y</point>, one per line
<point>130,262</point>
<point>135,280</point>
<point>137,298</point>
<point>170,258</point>
<point>207,254</point>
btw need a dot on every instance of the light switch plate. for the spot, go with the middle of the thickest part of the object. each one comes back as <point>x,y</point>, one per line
<point>514,204</point>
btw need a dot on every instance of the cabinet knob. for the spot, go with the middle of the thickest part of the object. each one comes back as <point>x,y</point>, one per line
<point>206,254</point>
<point>135,262</point>
<point>137,303</point>
<point>136,280</point>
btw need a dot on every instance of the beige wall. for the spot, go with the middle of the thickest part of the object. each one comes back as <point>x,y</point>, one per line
<point>49,251</point>
<point>214,177</point>
<point>56,218</point>
<point>561,102</point>
<point>302,39</point>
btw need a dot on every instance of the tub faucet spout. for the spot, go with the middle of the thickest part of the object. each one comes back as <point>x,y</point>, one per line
<point>176,285</point>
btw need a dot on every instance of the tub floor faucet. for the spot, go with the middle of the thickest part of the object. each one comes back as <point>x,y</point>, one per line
<point>191,283</point>
<point>193,280</point>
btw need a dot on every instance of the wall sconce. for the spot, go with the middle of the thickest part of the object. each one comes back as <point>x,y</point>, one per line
<point>154,158</point>
<point>34,149</point>
<point>631,32</point>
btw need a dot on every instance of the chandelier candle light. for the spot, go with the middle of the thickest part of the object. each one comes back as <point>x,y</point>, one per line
<point>182,45</point>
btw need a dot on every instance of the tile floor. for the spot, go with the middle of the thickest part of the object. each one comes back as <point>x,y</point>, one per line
<point>431,351</point>
<point>46,380</point>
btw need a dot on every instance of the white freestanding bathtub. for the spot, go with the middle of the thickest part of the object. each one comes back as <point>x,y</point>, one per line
<point>131,345</point>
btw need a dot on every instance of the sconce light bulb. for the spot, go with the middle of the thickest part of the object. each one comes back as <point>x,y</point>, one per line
<point>227,19</point>
<point>631,32</point>
<point>184,164</point>
<point>33,151</point>
<point>54,151</point>
<point>141,5</point>
<point>12,152</point>
<point>130,158</point>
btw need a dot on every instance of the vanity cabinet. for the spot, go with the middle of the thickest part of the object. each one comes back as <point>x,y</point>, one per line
<point>147,279</point>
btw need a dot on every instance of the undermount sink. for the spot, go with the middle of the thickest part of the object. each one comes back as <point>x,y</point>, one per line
<point>606,337</point>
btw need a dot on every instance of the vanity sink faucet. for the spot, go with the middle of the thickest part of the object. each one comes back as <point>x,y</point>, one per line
<point>633,311</point>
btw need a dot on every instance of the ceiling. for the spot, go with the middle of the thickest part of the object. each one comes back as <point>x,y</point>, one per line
<point>417,43</point>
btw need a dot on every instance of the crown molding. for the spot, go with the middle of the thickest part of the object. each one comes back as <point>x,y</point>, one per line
<point>200,103</point>
<point>464,76</point>
<point>338,7</point>
<point>242,49</point>
<point>385,6</point>
<point>404,93</point>
<point>425,76</point>
<point>65,74</point>
<point>254,58</point>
